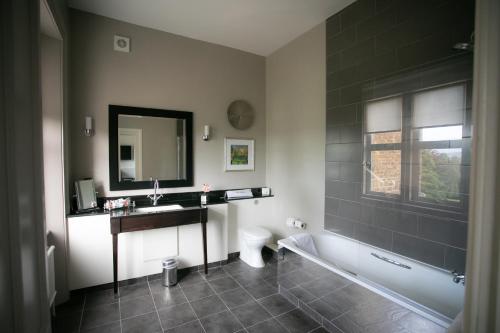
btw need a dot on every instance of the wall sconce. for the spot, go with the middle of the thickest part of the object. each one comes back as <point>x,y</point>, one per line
<point>89,128</point>
<point>206,133</point>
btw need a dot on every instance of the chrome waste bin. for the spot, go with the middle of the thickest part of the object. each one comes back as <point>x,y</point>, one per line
<point>169,274</point>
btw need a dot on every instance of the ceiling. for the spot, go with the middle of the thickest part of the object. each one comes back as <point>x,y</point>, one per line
<point>256,26</point>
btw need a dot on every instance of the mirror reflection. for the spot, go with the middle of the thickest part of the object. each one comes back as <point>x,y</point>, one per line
<point>151,148</point>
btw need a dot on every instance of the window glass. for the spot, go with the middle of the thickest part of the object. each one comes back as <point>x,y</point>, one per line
<point>384,171</point>
<point>383,115</point>
<point>386,137</point>
<point>443,133</point>
<point>439,175</point>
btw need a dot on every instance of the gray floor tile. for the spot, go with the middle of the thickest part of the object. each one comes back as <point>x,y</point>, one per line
<point>176,315</point>
<point>302,294</point>
<point>191,327</point>
<point>147,323</point>
<point>67,323</point>
<point>268,326</point>
<point>215,273</point>
<point>134,290</point>
<point>156,286</point>
<point>319,330</point>
<point>261,290</point>
<point>207,306</point>
<point>108,328</point>
<point>190,278</point>
<point>223,322</point>
<point>418,324</point>
<point>197,291</point>
<point>236,297</point>
<point>282,281</point>
<point>100,297</point>
<point>347,325</point>
<point>223,284</point>
<point>236,268</point>
<point>136,306</point>
<point>251,313</point>
<point>297,321</point>
<point>325,310</point>
<point>74,304</point>
<point>299,277</point>
<point>276,304</point>
<point>325,285</point>
<point>169,297</point>
<point>246,280</point>
<point>100,315</point>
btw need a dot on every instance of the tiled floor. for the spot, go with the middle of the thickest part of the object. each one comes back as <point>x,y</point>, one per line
<point>238,298</point>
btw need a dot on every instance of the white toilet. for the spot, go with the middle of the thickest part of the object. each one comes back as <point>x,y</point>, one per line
<point>252,239</point>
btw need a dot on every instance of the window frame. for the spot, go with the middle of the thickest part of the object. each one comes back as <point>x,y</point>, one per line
<point>410,149</point>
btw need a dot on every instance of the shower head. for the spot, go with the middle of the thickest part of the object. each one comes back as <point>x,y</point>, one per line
<point>465,46</point>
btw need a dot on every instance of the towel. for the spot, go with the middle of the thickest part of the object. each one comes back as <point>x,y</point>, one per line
<point>304,241</point>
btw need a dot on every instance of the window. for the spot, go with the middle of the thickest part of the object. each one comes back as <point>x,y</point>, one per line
<point>414,147</point>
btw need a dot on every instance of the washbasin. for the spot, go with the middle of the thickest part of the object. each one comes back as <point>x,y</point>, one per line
<point>155,209</point>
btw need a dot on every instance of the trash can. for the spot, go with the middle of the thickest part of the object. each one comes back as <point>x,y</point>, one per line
<point>169,274</point>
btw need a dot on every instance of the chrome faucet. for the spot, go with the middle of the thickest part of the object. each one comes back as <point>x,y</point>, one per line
<point>458,277</point>
<point>154,198</point>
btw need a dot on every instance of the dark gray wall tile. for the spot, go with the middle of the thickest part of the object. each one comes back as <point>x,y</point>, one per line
<point>373,236</point>
<point>351,94</point>
<point>344,152</point>
<point>339,225</point>
<point>342,77</point>
<point>395,220</point>
<point>333,25</point>
<point>444,231</point>
<point>376,24</point>
<point>351,133</point>
<point>332,206</point>
<point>351,172</point>
<point>350,210</point>
<point>332,99</point>
<point>357,53</point>
<point>419,249</point>
<point>343,190</point>
<point>341,41</point>
<point>356,12</point>
<point>332,171</point>
<point>333,62</point>
<point>341,115</point>
<point>454,259</point>
<point>367,214</point>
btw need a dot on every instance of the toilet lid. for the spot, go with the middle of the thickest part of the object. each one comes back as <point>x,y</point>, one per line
<point>256,232</point>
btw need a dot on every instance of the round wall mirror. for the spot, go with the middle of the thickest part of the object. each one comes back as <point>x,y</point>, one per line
<point>240,114</point>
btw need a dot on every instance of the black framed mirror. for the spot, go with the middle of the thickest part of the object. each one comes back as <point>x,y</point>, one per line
<point>147,144</point>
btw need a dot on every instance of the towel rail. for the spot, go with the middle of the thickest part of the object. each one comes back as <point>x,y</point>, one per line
<point>390,261</point>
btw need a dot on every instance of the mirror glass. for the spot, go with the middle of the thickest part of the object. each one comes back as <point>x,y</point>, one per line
<point>85,194</point>
<point>151,148</point>
<point>147,144</point>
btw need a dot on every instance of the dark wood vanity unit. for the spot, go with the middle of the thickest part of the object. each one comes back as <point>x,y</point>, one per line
<point>136,222</point>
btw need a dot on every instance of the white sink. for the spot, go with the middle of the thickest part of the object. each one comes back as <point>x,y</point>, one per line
<point>155,209</point>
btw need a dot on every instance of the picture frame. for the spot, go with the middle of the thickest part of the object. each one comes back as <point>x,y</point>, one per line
<point>239,154</point>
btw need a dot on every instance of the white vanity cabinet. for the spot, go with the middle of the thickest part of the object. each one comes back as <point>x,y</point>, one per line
<point>139,253</point>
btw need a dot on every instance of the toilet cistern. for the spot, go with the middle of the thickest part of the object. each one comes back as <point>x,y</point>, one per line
<point>155,197</point>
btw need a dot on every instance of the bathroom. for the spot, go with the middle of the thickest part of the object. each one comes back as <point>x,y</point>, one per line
<point>301,166</point>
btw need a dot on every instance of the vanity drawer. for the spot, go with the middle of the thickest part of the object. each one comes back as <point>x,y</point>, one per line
<point>158,220</point>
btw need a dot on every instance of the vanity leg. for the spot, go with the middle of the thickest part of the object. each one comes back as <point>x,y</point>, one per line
<point>115,263</point>
<point>204,231</point>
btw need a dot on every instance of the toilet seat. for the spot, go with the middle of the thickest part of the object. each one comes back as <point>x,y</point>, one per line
<point>255,233</point>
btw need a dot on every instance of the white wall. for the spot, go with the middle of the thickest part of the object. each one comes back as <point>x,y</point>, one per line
<point>295,114</point>
<point>162,71</point>
<point>51,56</point>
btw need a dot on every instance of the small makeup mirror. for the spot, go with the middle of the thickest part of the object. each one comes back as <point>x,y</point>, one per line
<point>85,194</point>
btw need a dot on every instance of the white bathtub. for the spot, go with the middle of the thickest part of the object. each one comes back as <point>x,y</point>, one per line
<point>422,288</point>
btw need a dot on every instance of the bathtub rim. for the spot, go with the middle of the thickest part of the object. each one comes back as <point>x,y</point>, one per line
<point>426,312</point>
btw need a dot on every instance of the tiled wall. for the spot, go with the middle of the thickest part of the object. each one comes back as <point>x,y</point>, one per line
<point>366,42</point>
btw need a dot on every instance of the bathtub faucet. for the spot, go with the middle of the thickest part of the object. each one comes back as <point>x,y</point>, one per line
<point>458,277</point>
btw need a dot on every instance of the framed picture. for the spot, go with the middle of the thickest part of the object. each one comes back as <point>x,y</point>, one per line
<point>239,154</point>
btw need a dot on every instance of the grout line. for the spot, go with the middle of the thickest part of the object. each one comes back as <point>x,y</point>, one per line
<point>120,311</point>
<point>83,310</point>
<point>192,309</point>
<point>154,304</point>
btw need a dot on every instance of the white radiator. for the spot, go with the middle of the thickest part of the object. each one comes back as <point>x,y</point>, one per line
<point>51,278</point>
